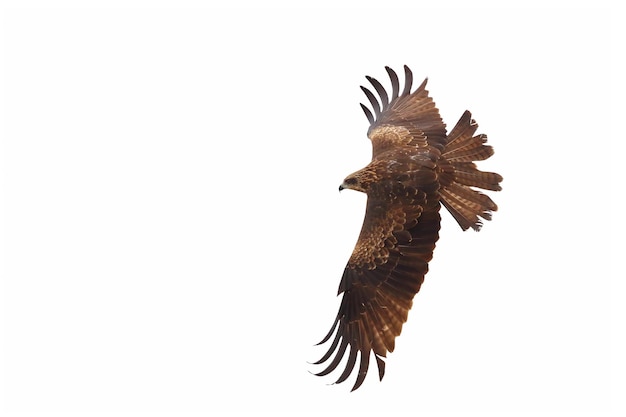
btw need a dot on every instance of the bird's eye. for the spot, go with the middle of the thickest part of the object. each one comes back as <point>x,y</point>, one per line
<point>350,181</point>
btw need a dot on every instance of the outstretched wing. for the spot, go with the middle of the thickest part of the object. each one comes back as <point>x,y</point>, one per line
<point>415,112</point>
<point>384,272</point>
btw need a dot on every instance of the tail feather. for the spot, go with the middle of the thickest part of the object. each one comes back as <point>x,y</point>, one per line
<point>466,173</point>
<point>472,149</point>
<point>466,204</point>
<point>463,130</point>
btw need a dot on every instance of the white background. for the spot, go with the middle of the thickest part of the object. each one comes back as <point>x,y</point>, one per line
<point>174,238</point>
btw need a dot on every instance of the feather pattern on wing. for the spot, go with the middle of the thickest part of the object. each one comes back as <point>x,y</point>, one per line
<point>383,274</point>
<point>415,110</point>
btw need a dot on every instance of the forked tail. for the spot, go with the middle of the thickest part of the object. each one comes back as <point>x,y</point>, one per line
<point>466,204</point>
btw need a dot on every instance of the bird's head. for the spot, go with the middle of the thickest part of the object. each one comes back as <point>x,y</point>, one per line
<point>351,183</point>
<point>358,181</point>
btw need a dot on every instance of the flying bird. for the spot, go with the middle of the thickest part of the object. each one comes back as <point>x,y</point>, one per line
<point>416,167</point>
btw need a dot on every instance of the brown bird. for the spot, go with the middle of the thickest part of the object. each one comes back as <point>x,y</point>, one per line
<point>415,168</point>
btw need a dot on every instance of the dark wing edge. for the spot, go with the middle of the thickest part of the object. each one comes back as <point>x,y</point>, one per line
<point>377,298</point>
<point>411,110</point>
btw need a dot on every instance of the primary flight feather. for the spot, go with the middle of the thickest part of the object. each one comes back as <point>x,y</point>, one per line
<point>416,166</point>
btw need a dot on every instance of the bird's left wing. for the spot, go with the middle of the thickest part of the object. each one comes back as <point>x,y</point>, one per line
<point>410,111</point>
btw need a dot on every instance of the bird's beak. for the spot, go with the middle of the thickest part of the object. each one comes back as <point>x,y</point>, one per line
<point>340,187</point>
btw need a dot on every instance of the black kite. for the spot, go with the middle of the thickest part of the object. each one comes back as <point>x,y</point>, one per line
<point>416,166</point>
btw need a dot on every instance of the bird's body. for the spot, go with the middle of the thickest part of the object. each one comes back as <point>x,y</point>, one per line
<point>416,166</point>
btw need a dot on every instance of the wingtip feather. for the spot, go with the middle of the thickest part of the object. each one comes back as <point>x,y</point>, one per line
<point>372,99</point>
<point>408,83</point>
<point>395,83</point>
<point>368,113</point>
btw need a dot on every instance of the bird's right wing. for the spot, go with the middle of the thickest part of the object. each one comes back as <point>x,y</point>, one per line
<point>384,273</point>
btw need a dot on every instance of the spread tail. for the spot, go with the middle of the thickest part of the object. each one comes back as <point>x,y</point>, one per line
<point>459,174</point>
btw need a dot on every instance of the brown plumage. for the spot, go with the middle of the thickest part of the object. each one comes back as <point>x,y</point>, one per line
<point>415,167</point>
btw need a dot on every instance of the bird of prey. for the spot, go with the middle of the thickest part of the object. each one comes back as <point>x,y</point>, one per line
<point>416,166</point>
